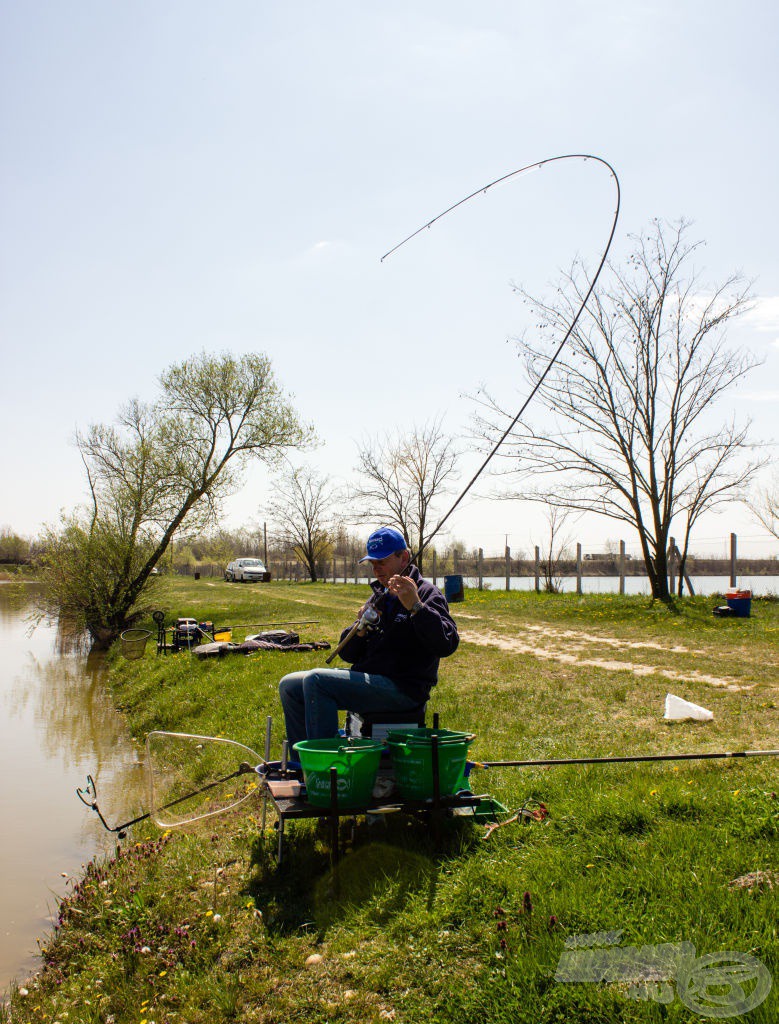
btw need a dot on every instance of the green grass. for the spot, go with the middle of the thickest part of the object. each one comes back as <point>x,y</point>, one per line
<point>199,926</point>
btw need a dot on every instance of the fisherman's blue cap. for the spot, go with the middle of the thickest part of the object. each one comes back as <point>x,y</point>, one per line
<point>382,543</point>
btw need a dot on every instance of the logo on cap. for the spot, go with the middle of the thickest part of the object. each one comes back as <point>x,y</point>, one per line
<point>382,543</point>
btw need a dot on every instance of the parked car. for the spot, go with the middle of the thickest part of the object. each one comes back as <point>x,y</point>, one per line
<point>247,570</point>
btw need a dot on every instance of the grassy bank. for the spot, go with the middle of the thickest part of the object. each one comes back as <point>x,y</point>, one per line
<point>199,926</point>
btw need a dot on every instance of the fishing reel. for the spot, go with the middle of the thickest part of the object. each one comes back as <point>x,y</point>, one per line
<point>369,619</point>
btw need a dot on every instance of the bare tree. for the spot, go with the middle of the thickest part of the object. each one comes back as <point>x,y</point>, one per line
<point>765,507</point>
<point>631,436</point>
<point>401,478</point>
<point>555,548</point>
<point>303,505</point>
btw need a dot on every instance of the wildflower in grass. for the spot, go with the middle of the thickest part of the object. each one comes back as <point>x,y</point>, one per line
<point>527,903</point>
<point>553,924</point>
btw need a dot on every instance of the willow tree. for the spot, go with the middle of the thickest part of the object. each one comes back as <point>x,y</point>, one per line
<point>161,465</point>
<point>629,429</point>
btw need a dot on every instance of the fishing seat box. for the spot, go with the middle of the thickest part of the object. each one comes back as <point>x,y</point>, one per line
<point>377,724</point>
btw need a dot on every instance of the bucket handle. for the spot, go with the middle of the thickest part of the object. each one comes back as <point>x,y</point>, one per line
<point>345,749</point>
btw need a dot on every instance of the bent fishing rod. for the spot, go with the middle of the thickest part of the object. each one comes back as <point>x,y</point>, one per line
<point>370,615</point>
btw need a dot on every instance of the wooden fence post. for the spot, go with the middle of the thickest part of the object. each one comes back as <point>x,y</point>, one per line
<point>538,569</point>
<point>480,568</point>
<point>622,567</point>
<point>732,559</point>
<point>435,569</point>
<point>508,567</point>
<point>578,568</point>
<point>671,564</point>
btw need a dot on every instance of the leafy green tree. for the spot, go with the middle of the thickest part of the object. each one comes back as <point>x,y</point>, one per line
<point>13,548</point>
<point>162,464</point>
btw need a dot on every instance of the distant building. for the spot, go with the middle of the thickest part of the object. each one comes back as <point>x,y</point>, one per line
<point>605,556</point>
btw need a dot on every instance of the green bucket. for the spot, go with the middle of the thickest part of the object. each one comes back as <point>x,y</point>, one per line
<point>412,756</point>
<point>355,761</point>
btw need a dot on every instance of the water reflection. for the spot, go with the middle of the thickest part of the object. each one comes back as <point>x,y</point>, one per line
<point>57,724</point>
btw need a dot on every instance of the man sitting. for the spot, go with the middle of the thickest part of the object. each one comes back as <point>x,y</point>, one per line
<point>394,663</point>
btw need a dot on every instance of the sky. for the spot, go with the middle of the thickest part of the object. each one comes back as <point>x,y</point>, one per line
<point>188,176</point>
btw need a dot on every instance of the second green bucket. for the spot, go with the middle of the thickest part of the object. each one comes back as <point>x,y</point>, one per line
<point>412,756</point>
<point>355,761</point>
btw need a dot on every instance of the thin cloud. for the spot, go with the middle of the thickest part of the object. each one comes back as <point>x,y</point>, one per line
<point>764,316</point>
<point>760,396</point>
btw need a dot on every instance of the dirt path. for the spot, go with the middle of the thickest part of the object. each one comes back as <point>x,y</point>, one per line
<point>570,647</point>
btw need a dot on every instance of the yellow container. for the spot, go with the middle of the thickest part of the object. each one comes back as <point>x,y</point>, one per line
<point>223,635</point>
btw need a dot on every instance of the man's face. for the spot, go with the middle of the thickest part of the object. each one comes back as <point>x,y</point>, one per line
<point>385,568</point>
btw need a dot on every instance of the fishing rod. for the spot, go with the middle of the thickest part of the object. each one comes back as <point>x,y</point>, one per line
<point>260,625</point>
<point>247,625</point>
<point>370,614</point>
<point>553,762</point>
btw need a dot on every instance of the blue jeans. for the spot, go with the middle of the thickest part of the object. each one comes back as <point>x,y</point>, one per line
<point>312,699</point>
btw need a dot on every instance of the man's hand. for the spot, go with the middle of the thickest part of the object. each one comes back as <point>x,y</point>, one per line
<point>405,589</point>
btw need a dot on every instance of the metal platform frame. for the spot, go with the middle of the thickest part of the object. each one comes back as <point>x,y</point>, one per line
<point>291,809</point>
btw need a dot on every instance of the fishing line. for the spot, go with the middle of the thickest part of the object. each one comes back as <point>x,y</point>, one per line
<point>482,191</point>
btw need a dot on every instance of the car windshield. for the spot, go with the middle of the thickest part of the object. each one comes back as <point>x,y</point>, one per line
<point>251,562</point>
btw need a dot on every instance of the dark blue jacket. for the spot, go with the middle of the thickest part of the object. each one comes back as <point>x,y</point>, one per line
<point>404,647</point>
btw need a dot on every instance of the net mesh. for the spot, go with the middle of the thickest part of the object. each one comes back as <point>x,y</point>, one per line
<point>195,777</point>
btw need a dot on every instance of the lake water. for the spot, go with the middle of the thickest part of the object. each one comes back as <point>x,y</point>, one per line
<point>759,585</point>
<point>57,725</point>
